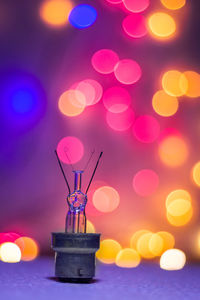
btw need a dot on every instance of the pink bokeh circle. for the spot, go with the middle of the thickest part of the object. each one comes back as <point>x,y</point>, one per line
<point>146,129</point>
<point>70,150</point>
<point>127,71</point>
<point>114,1</point>
<point>104,61</point>
<point>116,99</point>
<point>120,121</point>
<point>145,182</point>
<point>135,25</point>
<point>136,6</point>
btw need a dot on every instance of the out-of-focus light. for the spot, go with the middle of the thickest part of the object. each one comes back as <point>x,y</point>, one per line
<point>82,16</point>
<point>91,209</point>
<point>135,5</point>
<point>135,26</point>
<point>161,25</point>
<point>98,90</point>
<point>55,12</point>
<point>146,129</point>
<point>72,103</point>
<point>196,173</point>
<point>164,104</point>
<point>173,4</point>
<point>168,240</point>
<point>108,251</point>
<point>127,71</point>
<point>173,151</point>
<point>177,194</point>
<point>179,207</point>
<point>143,246</point>
<point>70,150</point>
<point>193,79</point>
<point>8,237</point>
<point>145,182</point>
<point>180,220</point>
<point>90,227</point>
<point>120,121</point>
<point>135,237</point>
<point>174,83</point>
<point>172,259</point>
<point>156,244</point>
<point>116,99</point>
<point>106,199</point>
<point>114,1</point>
<point>10,253</point>
<point>127,258</point>
<point>104,61</point>
<point>29,248</point>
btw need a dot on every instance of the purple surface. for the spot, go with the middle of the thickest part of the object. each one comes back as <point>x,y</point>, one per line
<point>34,280</point>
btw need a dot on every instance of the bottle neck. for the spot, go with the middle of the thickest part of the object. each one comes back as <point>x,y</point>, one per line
<point>77,180</point>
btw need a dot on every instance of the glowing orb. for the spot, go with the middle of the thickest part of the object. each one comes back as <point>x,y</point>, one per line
<point>177,194</point>
<point>174,83</point>
<point>55,12</point>
<point>91,209</point>
<point>82,16</point>
<point>146,129</point>
<point>145,182</point>
<point>127,71</point>
<point>180,220</point>
<point>104,61</point>
<point>90,227</point>
<point>172,259</point>
<point>173,151</point>
<point>8,237</point>
<point>168,240</point>
<point>135,26</point>
<point>72,103</point>
<point>173,4</point>
<point>127,258</point>
<point>106,199</point>
<point>135,5</point>
<point>70,150</point>
<point>29,248</point>
<point>179,207</point>
<point>10,253</point>
<point>143,246</point>
<point>164,104</point>
<point>120,121</point>
<point>116,99</point>
<point>114,1</point>
<point>193,79</point>
<point>161,25</point>
<point>108,251</point>
<point>135,237</point>
<point>196,173</point>
<point>98,91</point>
<point>156,244</point>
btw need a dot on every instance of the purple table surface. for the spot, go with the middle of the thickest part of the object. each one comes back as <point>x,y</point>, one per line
<point>34,280</point>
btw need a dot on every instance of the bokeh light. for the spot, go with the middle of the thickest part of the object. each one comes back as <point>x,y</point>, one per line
<point>98,91</point>
<point>180,220</point>
<point>108,251</point>
<point>127,71</point>
<point>164,104</point>
<point>173,4</point>
<point>120,121</point>
<point>8,237</point>
<point>143,246</point>
<point>114,1</point>
<point>174,83</point>
<point>173,151</point>
<point>156,244</point>
<point>193,79</point>
<point>177,194</point>
<point>145,182</point>
<point>55,12</point>
<point>72,103</point>
<point>172,259</point>
<point>135,5</point>
<point>127,258</point>
<point>104,61</point>
<point>179,207</point>
<point>10,253</point>
<point>90,227</point>
<point>70,150</point>
<point>168,240</point>
<point>106,199</point>
<point>90,208</point>
<point>135,25</point>
<point>116,99</point>
<point>146,129</point>
<point>196,173</point>
<point>82,16</point>
<point>161,25</point>
<point>29,248</point>
<point>135,237</point>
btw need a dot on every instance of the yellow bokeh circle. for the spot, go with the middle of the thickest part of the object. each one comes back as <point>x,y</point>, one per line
<point>135,237</point>
<point>127,258</point>
<point>108,251</point>
<point>178,194</point>
<point>168,240</point>
<point>196,173</point>
<point>161,25</point>
<point>90,227</point>
<point>164,104</point>
<point>193,79</point>
<point>174,83</point>
<point>156,244</point>
<point>72,103</point>
<point>143,246</point>
<point>173,4</point>
<point>180,220</point>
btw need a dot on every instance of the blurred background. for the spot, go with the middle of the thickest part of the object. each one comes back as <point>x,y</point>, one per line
<point>106,75</point>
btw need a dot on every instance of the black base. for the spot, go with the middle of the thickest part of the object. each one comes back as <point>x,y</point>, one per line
<point>75,255</point>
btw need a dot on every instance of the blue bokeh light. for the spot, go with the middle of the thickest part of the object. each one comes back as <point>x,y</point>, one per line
<point>83,16</point>
<point>23,101</point>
